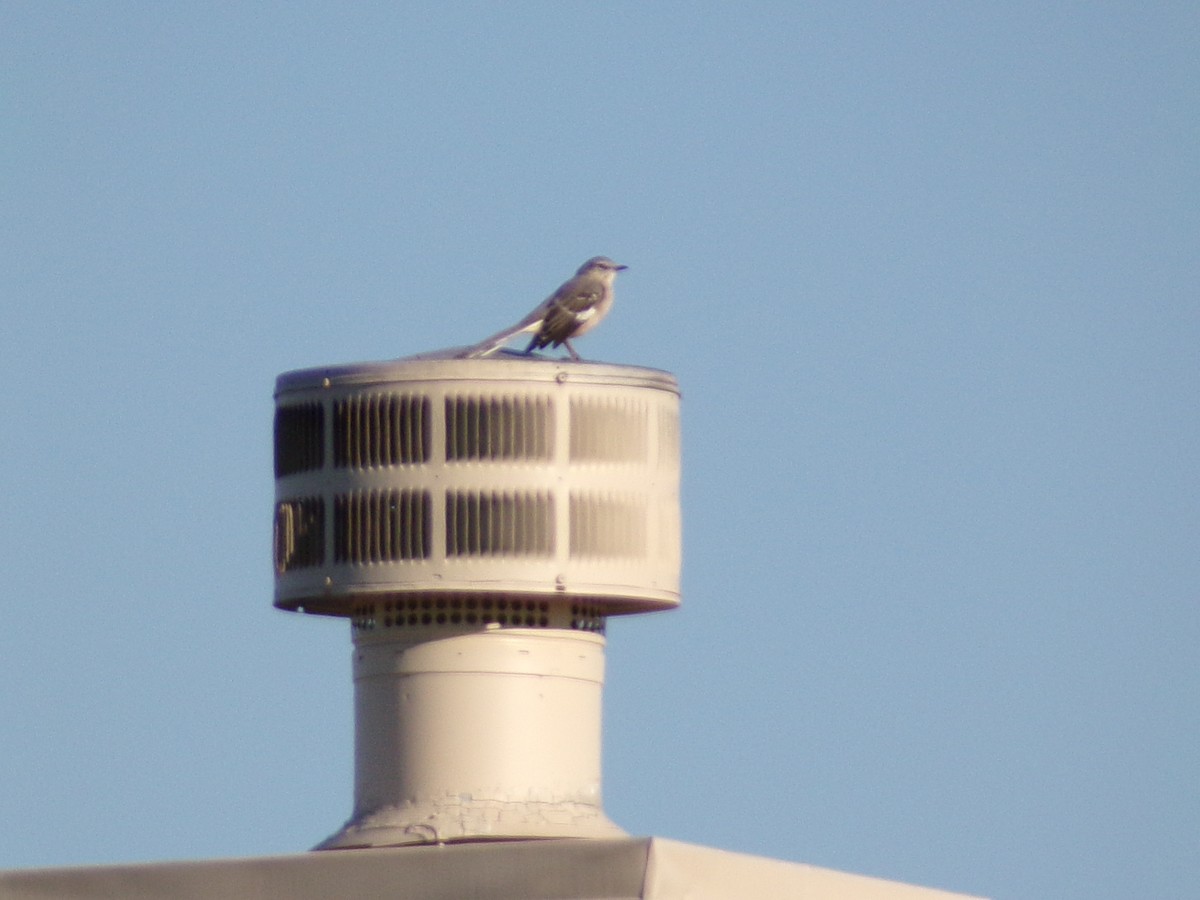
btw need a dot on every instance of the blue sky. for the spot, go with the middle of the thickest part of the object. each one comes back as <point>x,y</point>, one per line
<point>926,273</point>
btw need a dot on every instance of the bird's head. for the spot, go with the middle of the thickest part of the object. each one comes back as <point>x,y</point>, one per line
<point>600,264</point>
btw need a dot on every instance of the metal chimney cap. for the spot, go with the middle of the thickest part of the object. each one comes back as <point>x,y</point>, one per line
<point>436,479</point>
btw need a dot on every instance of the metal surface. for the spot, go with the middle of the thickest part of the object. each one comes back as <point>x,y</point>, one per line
<point>468,734</point>
<point>477,520</point>
<point>621,869</point>
<point>442,477</point>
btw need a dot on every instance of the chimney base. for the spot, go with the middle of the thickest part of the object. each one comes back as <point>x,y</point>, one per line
<point>486,733</point>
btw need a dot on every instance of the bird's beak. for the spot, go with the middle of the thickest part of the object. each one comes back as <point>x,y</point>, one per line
<point>620,267</point>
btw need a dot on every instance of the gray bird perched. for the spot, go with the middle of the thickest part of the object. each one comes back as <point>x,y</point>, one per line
<point>574,309</point>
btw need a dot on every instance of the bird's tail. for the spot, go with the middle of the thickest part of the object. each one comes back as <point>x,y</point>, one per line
<point>490,345</point>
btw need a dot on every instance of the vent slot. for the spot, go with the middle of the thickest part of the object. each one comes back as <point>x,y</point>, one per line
<point>587,618</point>
<point>299,438</point>
<point>456,611</point>
<point>608,429</point>
<point>375,430</point>
<point>607,525</point>
<point>493,428</point>
<point>479,524</point>
<point>382,526</point>
<point>299,533</point>
<point>668,438</point>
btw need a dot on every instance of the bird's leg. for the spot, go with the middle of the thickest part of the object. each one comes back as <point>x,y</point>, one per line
<point>575,356</point>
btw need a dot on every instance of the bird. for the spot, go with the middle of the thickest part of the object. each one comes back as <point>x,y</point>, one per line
<point>574,309</point>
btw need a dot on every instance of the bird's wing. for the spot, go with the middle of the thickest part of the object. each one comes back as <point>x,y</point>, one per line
<point>564,310</point>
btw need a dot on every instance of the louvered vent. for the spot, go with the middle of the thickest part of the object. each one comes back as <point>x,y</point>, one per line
<point>299,438</point>
<point>382,526</point>
<point>446,479</point>
<point>299,534</point>
<point>380,429</point>
<point>499,428</point>
<point>608,525</point>
<point>668,443</point>
<point>608,429</point>
<point>499,524</point>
